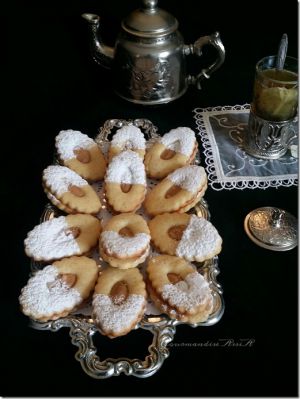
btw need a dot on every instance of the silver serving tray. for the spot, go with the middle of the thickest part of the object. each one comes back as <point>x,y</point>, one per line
<point>81,325</point>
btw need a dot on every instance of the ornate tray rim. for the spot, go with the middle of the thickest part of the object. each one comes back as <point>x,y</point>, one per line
<point>161,326</point>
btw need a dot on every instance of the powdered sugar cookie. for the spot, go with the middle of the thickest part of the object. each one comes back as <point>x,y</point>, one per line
<point>80,153</point>
<point>59,289</point>
<point>125,241</point>
<point>62,237</point>
<point>125,182</point>
<point>176,284</point>
<point>187,236</point>
<point>119,301</point>
<point>174,150</point>
<point>127,138</point>
<point>201,316</point>
<point>71,190</point>
<point>178,192</point>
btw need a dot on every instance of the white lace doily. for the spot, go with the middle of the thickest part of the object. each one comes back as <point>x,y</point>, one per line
<point>228,166</point>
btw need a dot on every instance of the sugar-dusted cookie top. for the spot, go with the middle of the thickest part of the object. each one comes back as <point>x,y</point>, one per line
<point>58,288</point>
<point>178,192</point>
<point>200,240</point>
<point>80,153</point>
<point>190,178</point>
<point>69,142</point>
<point>125,235</point>
<point>58,179</point>
<point>62,237</point>
<point>180,140</point>
<point>172,151</point>
<point>126,168</point>
<point>178,283</point>
<point>187,236</point>
<point>119,301</point>
<point>46,295</point>
<point>189,293</point>
<point>72,191</point>
<point>129,138</point>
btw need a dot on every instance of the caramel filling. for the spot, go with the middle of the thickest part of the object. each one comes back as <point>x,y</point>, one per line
<point>174,278</point>
<point>126,187</point>
<point>68,278</point>
<point>77,191</point>
<point>167,154</point>
<point>172,191</point>
<point>119,292</point>
<point>82,155</point>
<point>74,231</point>
<point>175,232</point>
<point>126,232</point>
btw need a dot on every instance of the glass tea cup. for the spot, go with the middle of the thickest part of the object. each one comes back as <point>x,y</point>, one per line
<point>276,90</point>
<point>272,124</point>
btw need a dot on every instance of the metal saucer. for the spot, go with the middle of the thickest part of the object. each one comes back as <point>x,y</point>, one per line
<point>272,228</point>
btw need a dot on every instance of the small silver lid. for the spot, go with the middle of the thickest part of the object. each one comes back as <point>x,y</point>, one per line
<point>272,228</point>
<point>150,21</point>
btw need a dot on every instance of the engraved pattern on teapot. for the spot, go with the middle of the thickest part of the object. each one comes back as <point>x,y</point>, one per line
<point>150,78</point>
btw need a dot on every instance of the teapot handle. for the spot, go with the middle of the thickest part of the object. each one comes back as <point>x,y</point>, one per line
<point>196,48</point>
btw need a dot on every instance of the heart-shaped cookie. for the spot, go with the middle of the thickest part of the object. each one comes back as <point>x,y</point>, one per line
<point>187,236</point>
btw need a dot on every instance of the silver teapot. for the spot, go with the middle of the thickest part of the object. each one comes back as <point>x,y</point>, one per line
<point>149,58</point>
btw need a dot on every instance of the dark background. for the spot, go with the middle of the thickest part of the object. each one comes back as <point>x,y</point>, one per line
<point>50,83</point>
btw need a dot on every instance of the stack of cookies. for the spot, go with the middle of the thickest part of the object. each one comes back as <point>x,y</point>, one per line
<point>66,245</point>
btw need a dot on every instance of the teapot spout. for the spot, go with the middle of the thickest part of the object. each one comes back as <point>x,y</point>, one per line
<point>102,54</point>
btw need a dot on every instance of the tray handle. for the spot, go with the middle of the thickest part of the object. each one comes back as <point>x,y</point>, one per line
<point>82,333</point>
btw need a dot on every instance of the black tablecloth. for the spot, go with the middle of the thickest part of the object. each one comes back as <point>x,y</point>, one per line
<point>52,84</point>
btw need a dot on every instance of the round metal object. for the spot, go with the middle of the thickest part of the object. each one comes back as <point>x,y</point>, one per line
<point>272,228</point>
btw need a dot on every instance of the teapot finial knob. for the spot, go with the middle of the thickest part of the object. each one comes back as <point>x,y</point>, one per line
<point>150,4</point>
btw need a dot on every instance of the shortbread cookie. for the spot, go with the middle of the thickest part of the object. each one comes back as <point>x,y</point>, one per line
<point>80,153</point>
<point>54,201</point>
<point>175,283</point>
<point>62,237</point>
<point>125,241</point>
<point>71,190</point>
<point>125,182</point>
<point>201,316</point>
<point>178,192</point>
<point>59,289</point>
<point>119,301</point>
<point>174,150</point>
<point>187,236</point>
<point>127,138</point>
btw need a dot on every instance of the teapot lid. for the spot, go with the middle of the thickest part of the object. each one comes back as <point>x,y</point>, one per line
<point>150,21</point>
